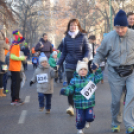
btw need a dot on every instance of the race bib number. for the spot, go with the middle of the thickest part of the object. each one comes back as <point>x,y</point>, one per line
<point>42,78</point>
<point>88,90</point>
<point>34,61</point>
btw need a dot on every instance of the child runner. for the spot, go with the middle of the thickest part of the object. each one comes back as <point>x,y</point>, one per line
<point>84,107</point>
<point>35,61</point>
<point>44,75</point>
<point>53,62</point>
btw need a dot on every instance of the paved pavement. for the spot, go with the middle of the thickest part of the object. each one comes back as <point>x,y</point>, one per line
<point>26,119</point>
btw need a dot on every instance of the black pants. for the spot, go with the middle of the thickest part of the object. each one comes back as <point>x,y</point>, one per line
<point>69,77</point>
<point>15,85</point>
<point>1,81</point>
<point>89,68</point>
<point>25,65</point>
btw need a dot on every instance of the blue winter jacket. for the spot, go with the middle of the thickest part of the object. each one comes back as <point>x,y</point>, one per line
<point>74,49</point>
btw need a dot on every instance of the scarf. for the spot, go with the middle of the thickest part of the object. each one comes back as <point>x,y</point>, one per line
<point>73,34</point>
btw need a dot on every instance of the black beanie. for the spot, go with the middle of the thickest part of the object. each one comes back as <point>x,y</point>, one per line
<point>121,19</point>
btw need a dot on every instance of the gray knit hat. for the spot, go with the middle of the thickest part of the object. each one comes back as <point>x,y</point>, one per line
<point>41,59</point>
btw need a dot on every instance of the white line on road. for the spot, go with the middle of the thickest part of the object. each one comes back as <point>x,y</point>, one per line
<point>22,117</point>
<point>27,99</point>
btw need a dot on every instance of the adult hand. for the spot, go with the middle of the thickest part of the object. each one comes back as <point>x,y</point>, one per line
<point>41,46</point>
<point>30,83</point>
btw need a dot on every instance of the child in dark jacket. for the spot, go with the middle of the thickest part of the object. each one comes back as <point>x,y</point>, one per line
<point>84,107</point>
<point>35,61</point>
<point>44,75</point>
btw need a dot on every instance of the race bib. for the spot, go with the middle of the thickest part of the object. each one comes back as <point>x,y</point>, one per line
<point>88,90</point>
<point>42,78</point>
<point>34,61</point>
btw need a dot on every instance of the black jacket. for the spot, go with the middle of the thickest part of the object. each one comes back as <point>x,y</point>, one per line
<point>47,49</point>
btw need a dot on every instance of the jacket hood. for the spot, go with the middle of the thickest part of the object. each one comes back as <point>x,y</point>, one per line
<point>42,54</point>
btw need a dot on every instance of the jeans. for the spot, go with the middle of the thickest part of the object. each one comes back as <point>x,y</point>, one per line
<point>41,100</point>
<point>83,116</point>
<point>5,78</point>
<point>69,77</point>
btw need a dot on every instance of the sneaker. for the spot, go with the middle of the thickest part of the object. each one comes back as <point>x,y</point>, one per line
<point>60,81</point>
<point>87,125</point>
<point>80,131</point>
<point>6,91</point>
<point>64,83</point>
<point>47,111</point>
<point>41,109</point>
<point>70,111</point>
<point>130,130</point>
<point>116,129</point>
<point>13,103</point>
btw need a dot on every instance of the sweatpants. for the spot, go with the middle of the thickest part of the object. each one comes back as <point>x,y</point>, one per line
<point>15,85</point>
<point>70,75</point>
<point>44,100</point>
<point>117,86</point>
<point>83,116</point>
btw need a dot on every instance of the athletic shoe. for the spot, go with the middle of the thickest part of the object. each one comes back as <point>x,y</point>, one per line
<point>116,129</point>
<point>87,125</point>
<point>17,102</point>
<point>130,130</point>
<point>70,111</point>
<point>7,91</point>
<point>80,131</point>
<point>41,109</point>
<point>47,111</point>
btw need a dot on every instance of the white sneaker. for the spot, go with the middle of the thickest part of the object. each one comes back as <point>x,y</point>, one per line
<point>80,131</point>
<point>70,111</point>
<point>87,125</point>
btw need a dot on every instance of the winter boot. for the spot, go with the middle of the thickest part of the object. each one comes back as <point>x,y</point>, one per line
<point>4,95</point>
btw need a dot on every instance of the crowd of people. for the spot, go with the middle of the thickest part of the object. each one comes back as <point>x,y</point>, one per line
<point>78,63</point>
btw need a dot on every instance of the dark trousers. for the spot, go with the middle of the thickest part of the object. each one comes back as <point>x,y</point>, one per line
<point>5,78</point>
<point>35,66</point>
<point>70,75</point>
<point>89,68</point>
<point>47,100</point>
<point>15,85</point>
<point>83,116</point>
<point>1,81</point>
<point>25,65</point>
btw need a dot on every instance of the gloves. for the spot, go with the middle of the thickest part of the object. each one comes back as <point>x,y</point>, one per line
<point>62,92</point>
<point>31,83</point>
<point>85,60</point>
<point>94,66</point>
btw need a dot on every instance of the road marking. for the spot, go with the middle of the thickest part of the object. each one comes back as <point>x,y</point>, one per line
<point>27,99</point>
<point>22,117</point>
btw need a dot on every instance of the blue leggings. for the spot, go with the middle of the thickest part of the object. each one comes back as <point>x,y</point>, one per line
<point>83,116</point>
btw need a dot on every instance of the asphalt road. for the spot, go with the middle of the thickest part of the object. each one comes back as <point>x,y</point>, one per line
<point>27,119</point>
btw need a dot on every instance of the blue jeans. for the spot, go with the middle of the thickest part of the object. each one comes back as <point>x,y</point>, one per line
<point>5,78</point>
<point>83,116</point>
<point>47,100</point>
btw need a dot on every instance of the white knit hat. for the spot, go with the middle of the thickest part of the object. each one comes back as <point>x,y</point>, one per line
<point>80,65</point>
<point>54,53</point>
<point>41,59</point>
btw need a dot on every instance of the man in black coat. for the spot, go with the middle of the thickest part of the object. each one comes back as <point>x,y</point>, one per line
<point>44,46</point>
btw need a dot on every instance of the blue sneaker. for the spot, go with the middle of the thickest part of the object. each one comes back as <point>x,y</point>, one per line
<point>130,130</point>
<point>64,83</point>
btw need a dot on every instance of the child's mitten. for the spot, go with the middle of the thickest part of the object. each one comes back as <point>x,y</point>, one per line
<point>31,82</point>
<point>62,92</point>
